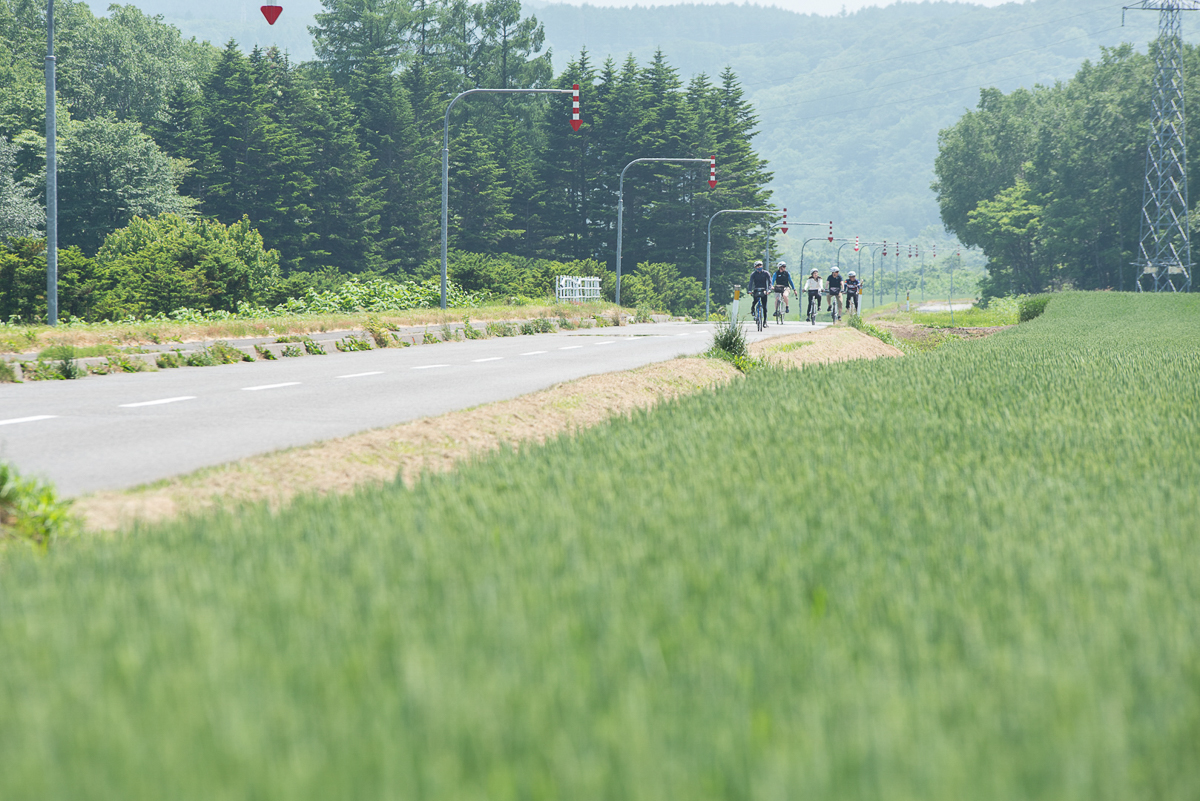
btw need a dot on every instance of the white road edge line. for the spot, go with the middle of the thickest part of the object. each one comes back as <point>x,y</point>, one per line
<point>534,353</point>
<point>488,359</point>
<point>270,386</point>
<point>157,402</point>
<point>360,375</point>
<point>32,419</point>
<point>570,347</point>
<point>428,366</point>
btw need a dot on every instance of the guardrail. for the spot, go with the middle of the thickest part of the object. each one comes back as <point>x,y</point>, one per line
<point>574,289</point>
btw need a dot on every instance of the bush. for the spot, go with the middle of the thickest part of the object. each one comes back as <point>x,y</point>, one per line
<point>352,343</point>
<point>23,281</point>
<point>730,338</point>
<point>313,348</point>
<point>8,373</point>
<point>539,326</point>
<point>158,265</point>
<point>31,512</point>
<point>660,286</point>
<point>501,329</point>
<point>1031,307</point>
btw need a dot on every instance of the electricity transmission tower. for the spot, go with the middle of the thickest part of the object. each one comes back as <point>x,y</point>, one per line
<point>1165,262</point>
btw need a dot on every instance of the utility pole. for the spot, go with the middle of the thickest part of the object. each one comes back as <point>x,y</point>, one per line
<point>51,175</point>
<point>1165,258</point>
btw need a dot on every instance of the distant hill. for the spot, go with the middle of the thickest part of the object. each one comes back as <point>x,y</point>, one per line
<point>850,105</point>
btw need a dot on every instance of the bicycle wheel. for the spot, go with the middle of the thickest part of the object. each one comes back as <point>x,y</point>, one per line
<point>760,315</point>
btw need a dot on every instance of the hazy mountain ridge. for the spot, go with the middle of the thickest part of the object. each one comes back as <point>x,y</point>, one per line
<point>850,105</point>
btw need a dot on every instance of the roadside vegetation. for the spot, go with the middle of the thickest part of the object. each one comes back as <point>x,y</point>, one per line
<point>31,513</point>
<point>982,573</point>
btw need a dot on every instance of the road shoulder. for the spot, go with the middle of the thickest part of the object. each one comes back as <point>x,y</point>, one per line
<point>439,443</point>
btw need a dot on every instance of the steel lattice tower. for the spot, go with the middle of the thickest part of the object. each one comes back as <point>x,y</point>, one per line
<point>1165,262</point>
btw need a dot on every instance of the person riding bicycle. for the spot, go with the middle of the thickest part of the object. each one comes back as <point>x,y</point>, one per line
<point>813,287</point>
<point>760,287</point>
<point>783,280</point>
<point>833,288</point>
<point>852,286</point>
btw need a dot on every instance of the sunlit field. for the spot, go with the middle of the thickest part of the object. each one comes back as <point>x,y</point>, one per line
<point>972,573</point>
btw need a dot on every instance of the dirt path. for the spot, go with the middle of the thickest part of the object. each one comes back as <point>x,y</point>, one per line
<point>440,443</point>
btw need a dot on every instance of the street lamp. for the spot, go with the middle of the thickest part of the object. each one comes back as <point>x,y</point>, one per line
<point>708,256</point>
<point>712,182</point>
<point>574,92</point>
<point>51,175</point>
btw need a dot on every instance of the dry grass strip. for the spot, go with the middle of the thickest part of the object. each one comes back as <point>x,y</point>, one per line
<point>439,443</point>
<point>408,449</point>
<point>822,346</point>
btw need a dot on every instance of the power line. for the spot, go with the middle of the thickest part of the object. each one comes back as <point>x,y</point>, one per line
<point>883,105</point>
<point>943,72</point>
<point>948,46</point>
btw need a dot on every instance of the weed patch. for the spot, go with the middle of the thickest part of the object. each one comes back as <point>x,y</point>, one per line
<point>31,512</point>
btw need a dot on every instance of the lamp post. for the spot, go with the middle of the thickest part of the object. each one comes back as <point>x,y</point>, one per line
<point>51,175</point>
<point>712,182</point>
<point>864,246</point>
<point>574,92</point>
<point>708,252</point>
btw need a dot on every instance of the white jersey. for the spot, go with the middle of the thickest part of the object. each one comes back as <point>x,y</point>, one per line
<point>813,285</point>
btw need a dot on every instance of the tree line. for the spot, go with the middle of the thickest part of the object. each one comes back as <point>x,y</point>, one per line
<point>336,162</point>
<point>1048,181</point>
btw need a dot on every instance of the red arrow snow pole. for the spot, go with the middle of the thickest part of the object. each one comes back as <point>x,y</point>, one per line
<point>784,227</point>
<point>271,13</point>
<point>856,244</point>
<point>712,172</point>
<point>575,121</point>
<point>831,230</point>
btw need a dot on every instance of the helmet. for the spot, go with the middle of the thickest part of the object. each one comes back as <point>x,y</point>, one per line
<point>815,271</point>
<point>851,273</point>
<point>783,264</point>
<point>835,269</point>
<point>757,264</point>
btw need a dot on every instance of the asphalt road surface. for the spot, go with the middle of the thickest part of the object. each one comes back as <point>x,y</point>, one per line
<point>119,431</point>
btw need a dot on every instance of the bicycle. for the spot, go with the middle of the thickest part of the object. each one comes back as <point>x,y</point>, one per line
<point>813,306</point>
<point>778,304</point>
<point>760,308</point>
<point>834,305</point>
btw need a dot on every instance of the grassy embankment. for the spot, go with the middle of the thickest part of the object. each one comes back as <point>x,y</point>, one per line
<point>982,582</point>
<point>101,339</point>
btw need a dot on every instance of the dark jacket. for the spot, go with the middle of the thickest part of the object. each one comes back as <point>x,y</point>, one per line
<point>759,279</point>
<point>834,282</point>
<point>784,278</point>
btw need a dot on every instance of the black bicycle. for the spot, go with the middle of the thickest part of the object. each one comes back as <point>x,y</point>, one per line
<point>779,305</point>
<point>834,305</point>
<point>760,308</point>
<point>814,303</point>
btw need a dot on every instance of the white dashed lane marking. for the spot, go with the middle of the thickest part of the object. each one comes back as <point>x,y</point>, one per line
<point>270,386</point>
<point>570,347</point>
<point>429,366</point>
<point>32,419</point>
<point>488,359</point>
<point>362,375</point>
<point>534,353</point>
<point>609,342</point>
<point>158,402</point>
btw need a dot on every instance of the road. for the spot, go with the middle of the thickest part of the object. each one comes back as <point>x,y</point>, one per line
<point>121,431</point>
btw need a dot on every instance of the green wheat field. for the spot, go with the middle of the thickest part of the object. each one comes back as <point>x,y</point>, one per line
<point>972,573</point>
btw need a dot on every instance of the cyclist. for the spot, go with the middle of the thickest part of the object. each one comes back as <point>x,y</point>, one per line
<point>852,286</point>
<point>833,288</point>
<point>783,281</point>
<point>813,287</point>
<point>760,286</point>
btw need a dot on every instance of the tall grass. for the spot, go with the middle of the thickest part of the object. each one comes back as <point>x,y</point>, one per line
<point>974,573</point>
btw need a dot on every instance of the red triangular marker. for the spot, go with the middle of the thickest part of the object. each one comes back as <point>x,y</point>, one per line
<point>271,13</point>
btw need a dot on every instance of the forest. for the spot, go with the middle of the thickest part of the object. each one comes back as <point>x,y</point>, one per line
<point>1048,182</point>
<point>247,177</point>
